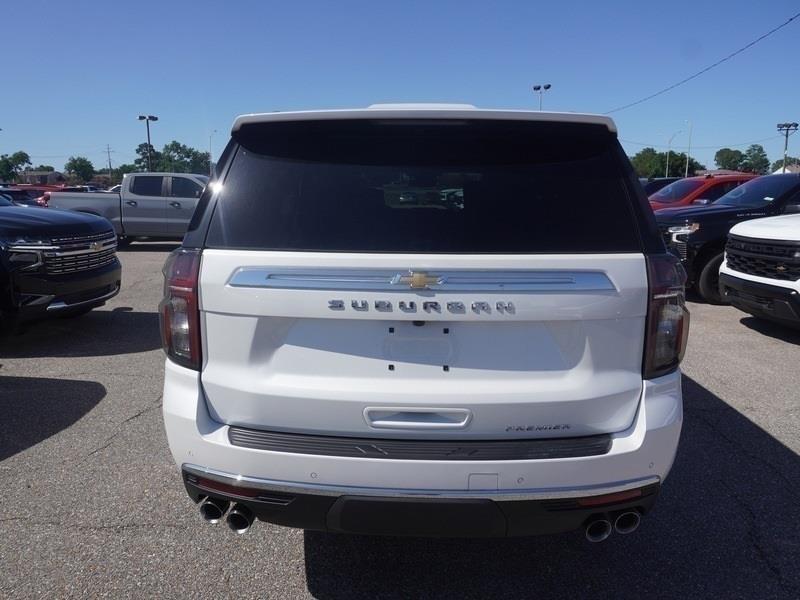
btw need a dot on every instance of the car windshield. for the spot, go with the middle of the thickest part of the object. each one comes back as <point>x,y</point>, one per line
<point>676,191</point>
<point>758,192</point>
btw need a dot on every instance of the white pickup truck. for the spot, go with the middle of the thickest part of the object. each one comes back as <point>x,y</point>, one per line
<point>153,205</point>
<point>761,272</point>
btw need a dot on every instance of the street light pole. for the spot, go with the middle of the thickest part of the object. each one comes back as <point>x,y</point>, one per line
<point>786,129</point>
<point>147,119</point>
<point>688,150</point>
<point>541,89</point>
<point>669,149</point>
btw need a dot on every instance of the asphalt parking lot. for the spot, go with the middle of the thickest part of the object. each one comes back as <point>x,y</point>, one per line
<point>92,504</point>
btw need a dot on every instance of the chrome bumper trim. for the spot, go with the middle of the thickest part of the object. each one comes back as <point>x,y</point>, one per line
<point>290,487</point>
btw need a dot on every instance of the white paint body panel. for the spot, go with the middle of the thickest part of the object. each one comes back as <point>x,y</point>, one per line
<point>785,228</point>
<point>424,111</point>
<point>563,363</point>
<point>645,449</point>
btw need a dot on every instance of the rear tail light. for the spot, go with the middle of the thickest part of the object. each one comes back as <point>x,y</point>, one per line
<point>42,200</point>
<point>179,310</point>
<point>667,317</point>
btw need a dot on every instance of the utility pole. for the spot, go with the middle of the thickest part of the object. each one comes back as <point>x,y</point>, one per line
<point>108,151</point>
<point>786,129</point>
<point>211,154</point>
<point>669,149</point>
<point>688,150</point>
<point>147,119</point>
<point>541,89</point>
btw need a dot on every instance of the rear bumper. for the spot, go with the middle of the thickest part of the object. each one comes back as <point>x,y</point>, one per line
<point>762,299</point>
<point>369,511</point>
<point>511,497</point>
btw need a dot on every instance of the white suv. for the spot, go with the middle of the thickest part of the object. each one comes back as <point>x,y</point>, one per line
<point>424,320</point>
<point>761,272</point>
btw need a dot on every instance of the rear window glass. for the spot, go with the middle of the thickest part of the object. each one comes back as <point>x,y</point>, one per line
<point>428,186</point>
<point>147,185</point>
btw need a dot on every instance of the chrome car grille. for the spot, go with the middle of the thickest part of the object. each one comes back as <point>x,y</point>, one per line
<point>770,259</point>
<point>74,254</point>
<point>676,246</point>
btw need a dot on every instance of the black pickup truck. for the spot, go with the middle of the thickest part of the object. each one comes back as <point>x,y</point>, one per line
<point>54,263</point>
<point>697,234</point>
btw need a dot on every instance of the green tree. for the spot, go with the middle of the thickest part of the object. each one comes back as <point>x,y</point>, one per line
<point>79,167</point>
<point>677,164</point>
<point>778,164</point>
<point>125,168</point>
<point>729,159</point>
<point>174,157</point>
<point>179,158</point>
<point>41,168</point>
<point>141,162</point>
<point>650,163</point>
<point>646,164</point>
<point>755,160</point>
<point>12,164</point>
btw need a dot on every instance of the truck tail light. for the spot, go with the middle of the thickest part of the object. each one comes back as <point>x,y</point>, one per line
<point>667,317</point>
<point>180,310</point>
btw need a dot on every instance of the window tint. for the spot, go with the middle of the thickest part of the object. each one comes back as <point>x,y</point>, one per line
<point>183,187</point>
<point>439,187</point>
<point>146,185</point>
<point>676,191</point>
<point>792,205</point>
<point>717,191</point>
<point>760,192</point>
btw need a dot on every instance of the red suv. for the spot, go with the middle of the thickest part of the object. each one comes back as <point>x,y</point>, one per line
<point>697,190</point>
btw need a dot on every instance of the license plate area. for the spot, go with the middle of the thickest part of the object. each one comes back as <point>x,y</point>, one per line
<point>419,342</point>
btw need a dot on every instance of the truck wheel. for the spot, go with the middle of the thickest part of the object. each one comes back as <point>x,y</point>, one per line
<point>708,281</point>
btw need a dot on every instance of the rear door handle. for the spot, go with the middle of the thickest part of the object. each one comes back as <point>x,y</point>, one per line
<point>131,203</point>
<point>175,204</point>
<point>417,417</point>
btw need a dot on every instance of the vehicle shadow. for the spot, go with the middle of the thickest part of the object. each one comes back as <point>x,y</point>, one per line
<point>780,332</point>
<point>98,333</point>
<point>725,525</point>
<point>35,408</point>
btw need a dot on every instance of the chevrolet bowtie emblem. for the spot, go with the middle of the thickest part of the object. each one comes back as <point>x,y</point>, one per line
<point>418,280</point>
<point>780,268</point>
<point>96,246</point>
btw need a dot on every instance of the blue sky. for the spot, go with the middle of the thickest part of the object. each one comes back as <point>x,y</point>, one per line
<point>77,73</point>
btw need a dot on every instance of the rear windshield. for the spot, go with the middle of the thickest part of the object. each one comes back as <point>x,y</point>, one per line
<point>425,186</point>
<point>676,191</point>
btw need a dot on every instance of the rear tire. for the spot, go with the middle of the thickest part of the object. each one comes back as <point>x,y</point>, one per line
<point>708,281</point>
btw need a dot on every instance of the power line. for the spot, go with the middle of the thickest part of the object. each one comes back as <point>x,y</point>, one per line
<point>717,146</point>
<point>708,68</point>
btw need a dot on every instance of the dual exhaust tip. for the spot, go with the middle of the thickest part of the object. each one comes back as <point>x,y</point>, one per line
<point>598,530</point>
<point>239,519</point>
